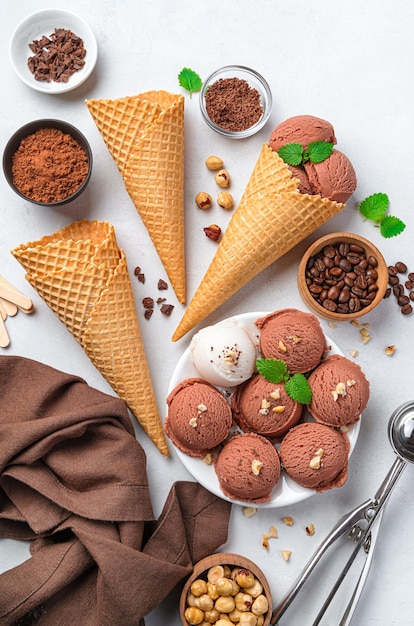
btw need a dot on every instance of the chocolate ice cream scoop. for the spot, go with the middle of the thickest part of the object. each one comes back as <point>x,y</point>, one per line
<point>248,467</point>
<point>292,336</point>
<point>315,456</point>
<point>302,129</point>
<point>333,178</point>
<point>265,408</point>
<point>340,391</point>
<point>199,417</point>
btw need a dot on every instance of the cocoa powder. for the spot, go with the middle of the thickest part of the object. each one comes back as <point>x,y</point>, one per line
<point>233,105</point>
<point>49,166</point>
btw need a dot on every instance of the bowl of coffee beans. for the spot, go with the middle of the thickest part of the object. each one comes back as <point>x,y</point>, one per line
<point>342,276</point>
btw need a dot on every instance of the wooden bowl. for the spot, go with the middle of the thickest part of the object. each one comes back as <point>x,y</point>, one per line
<point>335,239</point>
<point>232,560</point>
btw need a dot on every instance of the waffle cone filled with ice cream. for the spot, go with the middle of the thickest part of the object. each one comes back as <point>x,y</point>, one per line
<point>272,218</point>
<point>145,136</point>
<point>82,275</point>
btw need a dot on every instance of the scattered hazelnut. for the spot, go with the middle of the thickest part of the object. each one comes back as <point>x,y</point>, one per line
<point>225,200</point>
<point>256,466</point>
<point>204,200</point>
<point>286,554</point>
<point>275,395</point>
<point>214,163</point>
<point>315,463</point>
<point>288,520</point>
<point>222,178</point>
<point>213,232</point>
<point>310,529</point>
<point>208,459</point>
<point>249,511</point>
<point>389,350</point>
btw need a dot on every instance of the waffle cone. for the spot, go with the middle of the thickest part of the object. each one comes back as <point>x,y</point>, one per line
<point>82,275</point>
<point>145,136</point>
<point>267,224</point>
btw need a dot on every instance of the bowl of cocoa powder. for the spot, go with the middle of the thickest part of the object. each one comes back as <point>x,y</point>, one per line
<point>48,162</point>
<point>342,276</point>
<point>235,101</point>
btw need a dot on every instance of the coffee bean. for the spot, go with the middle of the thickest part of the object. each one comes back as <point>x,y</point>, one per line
<point>411,295</point>
<point>407,309</point>
<point>345,265</point>
<point>398,290</point>
<point>411,276</point>
<point>387,292</point>
<point>329,305</point>
<point>393,280</point>
<point>403,300</point>
<point>329,251</point>
<point>401,267</point>
<point>333,293</point>
<point>372,261</point>
<point>409,284</point>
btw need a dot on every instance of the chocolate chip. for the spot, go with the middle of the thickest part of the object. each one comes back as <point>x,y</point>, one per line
<point>167,309</point>
<point>162,285</point>
<point>148,303</point>
<point>148,313</point>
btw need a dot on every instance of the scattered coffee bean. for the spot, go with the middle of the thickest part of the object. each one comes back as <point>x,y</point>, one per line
<point>342,279</point>
<point>407,309</point>
<point>411,276</point>
<point>398,288</point>
<point>401,267</point>
<point>387,292</point>
<point>409,285</point>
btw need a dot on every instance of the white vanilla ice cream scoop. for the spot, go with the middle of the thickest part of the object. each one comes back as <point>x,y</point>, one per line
<point>224,354</point>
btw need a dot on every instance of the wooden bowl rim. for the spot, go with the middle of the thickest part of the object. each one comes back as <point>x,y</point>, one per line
<point>346,237</point>
<point>232,560</point>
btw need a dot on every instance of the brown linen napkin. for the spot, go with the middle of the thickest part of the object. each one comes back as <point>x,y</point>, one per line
<point>73,481</point>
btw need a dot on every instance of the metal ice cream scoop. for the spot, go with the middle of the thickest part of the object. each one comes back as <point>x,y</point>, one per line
<point>361,524</point>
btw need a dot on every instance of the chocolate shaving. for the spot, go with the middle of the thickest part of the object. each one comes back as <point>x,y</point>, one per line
<point>57,57</point>
<point>167,309</point>
<point>162,284</point>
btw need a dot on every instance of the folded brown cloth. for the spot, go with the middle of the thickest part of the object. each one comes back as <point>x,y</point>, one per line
<point>73,481</point>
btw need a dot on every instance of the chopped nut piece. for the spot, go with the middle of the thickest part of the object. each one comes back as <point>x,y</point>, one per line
<point>332,325</point>
<point>286,555</point>
<point>366,338</point>
<point>272,532</point>
<point>214,163</point>
<point>213,232</point>
<point>353,352</point>
<point>278,409</point>
<point>256,466</point>
<point>201,408</point>
<point>315,463</point>
<point>356,323</point>
<point>204,200</point>
<point>310,529</point>
<point>265,403</point>
<point>344,428</point>
<point>193,422</point>
<point>265,542</point>
<point>319,452</point>
<point>249,511</point>
<point>275,395</point>
<point>341,389</point>
<point>288,520</point>
<point>264,411</point>
<point>389,350</point>
<point>364,332</point>
<point>334,395</point>
<point>281,346</point>
<point>350,382</point>
<point>208,458</point>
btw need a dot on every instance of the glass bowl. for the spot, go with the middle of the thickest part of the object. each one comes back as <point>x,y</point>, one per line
<point>255,81</point>
<point>30,128</point>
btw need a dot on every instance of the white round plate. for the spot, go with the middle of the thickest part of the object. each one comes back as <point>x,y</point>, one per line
<point>42,23</point>
<point>286,492</point>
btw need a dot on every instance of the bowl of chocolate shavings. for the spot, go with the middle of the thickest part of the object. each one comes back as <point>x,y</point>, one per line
<point>53,51</point>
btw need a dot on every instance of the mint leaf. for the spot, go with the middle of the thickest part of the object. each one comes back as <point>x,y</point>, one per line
<point>299,389</point>
<point>318,151</point>
<point>273,370</point>
<point>291,153</point>
<point>391,226</point>
<point>374,207</point>
<point>189,80</point>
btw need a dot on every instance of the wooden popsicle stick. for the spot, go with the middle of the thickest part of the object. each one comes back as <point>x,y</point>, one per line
<point>4,337</point>
<point>11,294</point>
<point>3,313</point>
<point>9,307</point>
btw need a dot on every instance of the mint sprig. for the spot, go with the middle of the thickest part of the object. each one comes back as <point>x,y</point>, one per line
<point>296,385</point>
<point>295,154</point>
<point>375,208</point>
<point>189,80</point>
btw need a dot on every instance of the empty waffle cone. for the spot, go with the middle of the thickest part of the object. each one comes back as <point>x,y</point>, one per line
<point>145,136</point>
<point>82,275</point>
<point>268,222</point>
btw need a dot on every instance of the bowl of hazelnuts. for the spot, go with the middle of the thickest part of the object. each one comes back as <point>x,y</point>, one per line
<point>226,588</point>
<point>342,276</point>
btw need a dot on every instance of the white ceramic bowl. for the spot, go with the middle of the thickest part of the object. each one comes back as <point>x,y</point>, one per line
<point>42,23</point>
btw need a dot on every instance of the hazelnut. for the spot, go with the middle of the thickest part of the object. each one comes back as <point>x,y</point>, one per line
<point>213,232</point>
<point>222,178</point>
<point>203,200</point>
<point>193,615</point>
<point>214,162</point>
<point>225,604</point>
<point>225,200</point>
<point>198,587</point>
